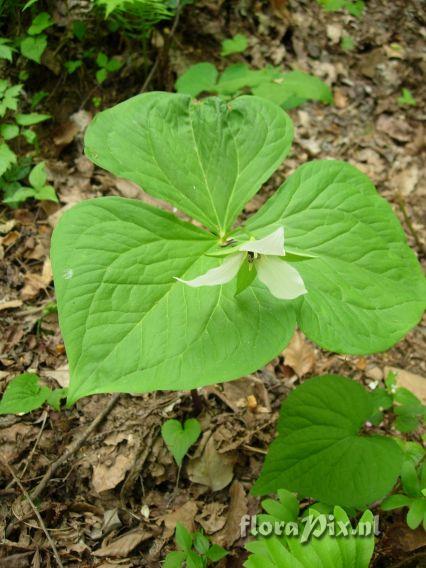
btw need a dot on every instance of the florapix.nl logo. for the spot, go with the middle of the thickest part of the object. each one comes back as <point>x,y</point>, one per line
<point>308,527</point>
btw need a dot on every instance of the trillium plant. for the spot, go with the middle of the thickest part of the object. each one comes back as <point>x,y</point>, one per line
<point>259,257</point>
<point>152,299</point>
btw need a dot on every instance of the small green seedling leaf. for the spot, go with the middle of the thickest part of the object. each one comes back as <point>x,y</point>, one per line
<point>31,118</point>
<point>55,397</point>
<point>33,47</point>
<point>319,451</point>
<point>73,65</point>
<point>40,23</point>
<point>79,29</point>
<point>7,157</point>
<point>38,177</point>
<point>23,394</point>
<point>9,131</point>
<point>183,537</point>
<point>237,44</point>
<point>6,51</point>
<point>180,438</point>
<point>175,559</point>
<point>216,553</point>
<point>406,99</point>
<point>347,43</point>
<point>199,78</point>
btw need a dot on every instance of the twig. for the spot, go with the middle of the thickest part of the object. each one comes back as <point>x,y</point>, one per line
<point>74,446</point>
<point>165,49</point>
<point>36,512</point>
<point>12,483</point>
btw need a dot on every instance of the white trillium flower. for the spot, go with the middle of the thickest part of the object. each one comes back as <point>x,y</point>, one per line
<point>282,279</point>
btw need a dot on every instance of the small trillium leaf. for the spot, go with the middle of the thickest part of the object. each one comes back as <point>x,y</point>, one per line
<point>320,452</point>
<point>220,275</point>
<point>199,78</point>
<point>280,277</point>
<point>179,438</point>
<point>271,244</point>
<point>365,286</point>
<point>23,394</point>
<point>127,322</point>
<point>207,158</point>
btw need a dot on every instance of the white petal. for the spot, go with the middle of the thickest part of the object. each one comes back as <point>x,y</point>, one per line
<point>272,244</point>
<point>220,275</point>
<point>282,279</point>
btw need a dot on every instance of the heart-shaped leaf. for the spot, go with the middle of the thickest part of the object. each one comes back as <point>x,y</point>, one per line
<point>208,159</point>
<point>319,451</point>
<point>130,327</point>
<point>179,438</point>
<point>23,394</point>
<point>365,286</point>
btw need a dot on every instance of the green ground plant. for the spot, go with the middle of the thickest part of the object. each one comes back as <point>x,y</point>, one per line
<point>195,550</point>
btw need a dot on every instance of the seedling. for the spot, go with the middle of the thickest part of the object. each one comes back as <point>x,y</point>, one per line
<point>409,410</point>
<point>289,89</point>
<point>15,193</point>
<point>195,550</point>
<point>24,394</point>
<point>137,327</point>
<point>406,99</point>
<point>106,66</point>
<point>413,481</point>
<point>237,44</point>
<point>347,43</point>
<point>73,65</point>
<point>12,121</point>
<point>354,7</point>
<point>179,438</point>
<point>6,50</point>
<point>324,416</point>
<point>34,43</point>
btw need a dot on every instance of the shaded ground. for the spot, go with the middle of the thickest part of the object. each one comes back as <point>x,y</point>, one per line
<point>115,498</point>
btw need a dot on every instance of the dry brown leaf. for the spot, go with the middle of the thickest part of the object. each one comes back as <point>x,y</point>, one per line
<point>212,469</point>
<point>184,515</point>
<point>211,518</point>
<point>300,355</point>
<point>107,477</point>
<point>61,375</point>
<point>237,509</point>
<point>10,304</point>
<point>415,383</point>
<point>121,546</point>
<point>36,282</point>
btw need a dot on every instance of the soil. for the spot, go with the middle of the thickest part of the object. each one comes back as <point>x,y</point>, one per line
<point>116,500</point>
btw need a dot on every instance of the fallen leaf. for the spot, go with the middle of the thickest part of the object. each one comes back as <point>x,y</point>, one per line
<point>184,515</point>
<point>10,304</point>
<point>212,469</point>
<point>211,518</point>
<point>395,127</point>
<point>121,546</point>
<point>36,282</point>
<point>231,532</point>
<point>300,355</point>
<point>415,383</point>
<point>61,375</point>
<point>107,477</point>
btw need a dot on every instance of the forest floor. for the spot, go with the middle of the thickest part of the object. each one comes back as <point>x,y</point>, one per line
<point>113,502</point>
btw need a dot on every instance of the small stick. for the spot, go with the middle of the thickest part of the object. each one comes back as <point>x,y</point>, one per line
<point>74,446</point>
<point>36,512</point>
<point>196,401</point>
<point>30,457</point>
<point>165,48</point>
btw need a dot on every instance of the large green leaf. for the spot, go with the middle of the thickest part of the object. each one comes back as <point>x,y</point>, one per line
<point>365,286</point>
<point>319,451</point>
<point>129,326</point>
<point>207,158</point>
